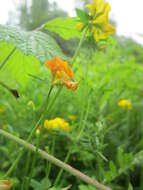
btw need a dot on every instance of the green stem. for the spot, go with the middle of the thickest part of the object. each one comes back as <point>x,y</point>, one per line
<point>79,45</point>
<point>55,161</point>
<point>61,170</point>
<point>26,168</point>
<point>7,57</point>
<point>84,120</point>
<point>50,164</point>
<point>33,164</point>
<point>31,134</point>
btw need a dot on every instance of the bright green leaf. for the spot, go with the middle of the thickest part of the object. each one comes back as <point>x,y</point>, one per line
<point>65,27</point>
<point>82,15</point>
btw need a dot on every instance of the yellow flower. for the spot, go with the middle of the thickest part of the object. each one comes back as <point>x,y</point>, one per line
<point>62,71</point>
<point>57,123</point>
<point>98,23</point>
<point>2,109</point>
<point>5,185</point>
<point>72,117</point>
<point>124,103</point>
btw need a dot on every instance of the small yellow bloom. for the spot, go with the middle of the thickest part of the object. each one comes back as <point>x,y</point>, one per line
<point>124,103</point>
<point>5,185</point>
<point>2,109</point>
<point>72,117</point>
<point>57,123</point>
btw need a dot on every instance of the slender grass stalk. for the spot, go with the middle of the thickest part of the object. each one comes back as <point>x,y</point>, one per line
<point>33,164</point>
<point>7,58</point>
<point>55,161</point>
<point>44,109</point>
<point>61,170</point>
<point>26,168</point>
<point>83,105</point>
<point>69,152</point>
<point>49,163</point>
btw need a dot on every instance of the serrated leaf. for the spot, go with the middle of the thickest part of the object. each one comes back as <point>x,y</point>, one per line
<point>65,27</point>
<point>36,43</point>
<point>82,15</point>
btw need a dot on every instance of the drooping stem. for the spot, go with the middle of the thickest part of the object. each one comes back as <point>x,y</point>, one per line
<point>79,45</point>
<point>55,161</point>
<point>44,109</point>
<point>7,57</point>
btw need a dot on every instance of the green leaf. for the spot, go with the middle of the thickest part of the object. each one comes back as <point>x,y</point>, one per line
<point>120,157</point>
<point>82,15</point>
<point>32,48</point>
<point>130,187</point>
<point>65,27</point>
<point>17,68</point>
<point>112,168</point>
<point>36,43</point>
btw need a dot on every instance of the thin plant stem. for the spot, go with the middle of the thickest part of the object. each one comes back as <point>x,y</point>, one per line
<point>55,161</point>
<point>69,152</point>
<point>83,105</point>
<point>49,163</point>
<point>7,58</point>
<point>31,134</point>
<point>61,170</point>
<point>26,168</point>
<point>85,119</point>
<point>33,163</point>
<point>79,45</point>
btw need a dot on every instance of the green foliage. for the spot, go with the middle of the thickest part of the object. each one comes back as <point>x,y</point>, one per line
<point>65,27</point>
<point>82,15</point>
<point>44,184</point>
<point>35,43</point>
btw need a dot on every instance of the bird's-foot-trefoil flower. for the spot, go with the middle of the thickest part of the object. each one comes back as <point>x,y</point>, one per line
<point>124,103</point>
<point>97,20</point>
<point>57,123</point>
<point>62,73</point>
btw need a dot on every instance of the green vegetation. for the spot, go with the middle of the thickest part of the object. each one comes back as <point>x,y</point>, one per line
<point>101,134</point>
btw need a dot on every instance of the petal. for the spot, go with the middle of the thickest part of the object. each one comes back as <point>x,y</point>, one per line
<point>108,29</point>
<point>71,85</point>
<point>103,17</point>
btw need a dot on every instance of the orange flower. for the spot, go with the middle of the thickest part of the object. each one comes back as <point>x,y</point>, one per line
<point>62,71</point>
<point>71,85</point>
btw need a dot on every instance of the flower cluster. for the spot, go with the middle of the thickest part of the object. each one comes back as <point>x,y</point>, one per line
<point>62,72</point>
<point>98,21</point>
<point>124,103</point>
<point>57,123</point>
